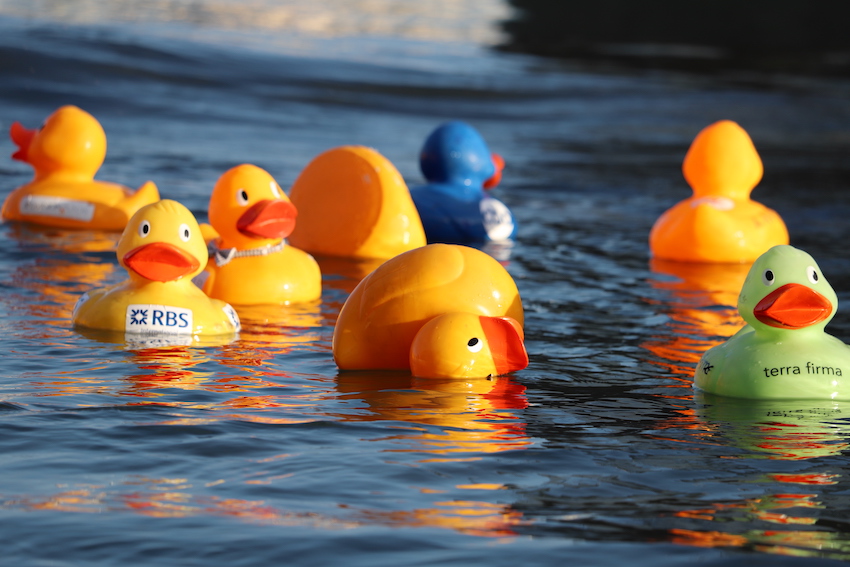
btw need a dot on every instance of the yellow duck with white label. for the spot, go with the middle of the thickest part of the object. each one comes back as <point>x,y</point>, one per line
<point>65,153</point>
<point>162,249</point>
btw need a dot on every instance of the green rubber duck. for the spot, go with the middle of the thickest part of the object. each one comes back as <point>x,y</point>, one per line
<point>783,351</point>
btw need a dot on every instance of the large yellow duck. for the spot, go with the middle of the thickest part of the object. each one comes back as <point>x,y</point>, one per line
<point>162,249</point>
<point>65,153</point>
<point>441,311</point>
<point>719,223</point>
<point>251,262</point>
<point>352,202</point>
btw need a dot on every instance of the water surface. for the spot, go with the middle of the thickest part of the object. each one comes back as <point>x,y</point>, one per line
<point>259,451</point>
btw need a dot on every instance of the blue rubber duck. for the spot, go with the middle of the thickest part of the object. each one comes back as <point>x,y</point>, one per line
<point>454,205</point>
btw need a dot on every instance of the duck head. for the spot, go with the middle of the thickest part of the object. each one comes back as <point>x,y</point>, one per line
<point>466,345</point>
<point>456,153</point>
<point>71,141</point>
<point>162,242</point>
<point>248,209</point>
<point>723,162</point>
<point>785,290</point>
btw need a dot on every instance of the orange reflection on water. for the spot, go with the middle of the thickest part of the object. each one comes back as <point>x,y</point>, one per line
<point>814,543</point>
<point>58,281</point>
<point>471,517</point>
<point>702,310</point>
<point>472,415</point>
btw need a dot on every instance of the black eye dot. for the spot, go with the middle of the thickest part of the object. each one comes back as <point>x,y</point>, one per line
<point>186,233</point>
<point>768,275</point>
<point>472,342</point>
<point>244,195</point>
<point>815,276</point>
<point>146,228</point>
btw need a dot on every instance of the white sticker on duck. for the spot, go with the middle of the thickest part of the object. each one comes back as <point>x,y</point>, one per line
<point>233,316</point>
<point>44,206</point>
<point>158,319</point>
<point>498,221</point>
<point>714,201</point>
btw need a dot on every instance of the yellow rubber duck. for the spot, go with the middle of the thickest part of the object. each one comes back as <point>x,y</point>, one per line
<point>162,249</point>
<point>382,318</point>
<point>65,153</point>
<point>352,202</point>
<point>463,345</point>
<point>250,262</point>
<point>719,223</point>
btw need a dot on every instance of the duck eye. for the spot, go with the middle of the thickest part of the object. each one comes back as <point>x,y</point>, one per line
<point>812,273</point>
<point>185,233</point>
<point>242,197</point>
<point>275,189</point>
<point>144,228</point>
<point>474,345</point>
<point>768,277</point>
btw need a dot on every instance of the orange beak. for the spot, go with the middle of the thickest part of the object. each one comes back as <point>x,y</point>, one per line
<point>22,137</point>
<point>792,306</point>
<point>161,262</point>
<point>269,218</point>
<point>505,337</point>
<point>499,164</point>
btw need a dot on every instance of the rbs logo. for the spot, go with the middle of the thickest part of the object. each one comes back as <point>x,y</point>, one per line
<point>158,319</point>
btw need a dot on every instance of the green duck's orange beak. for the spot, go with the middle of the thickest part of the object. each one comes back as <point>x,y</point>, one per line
<point>505,337</point>
<point>792,306</point>
<point>161,262</point>
<point>269,218</point>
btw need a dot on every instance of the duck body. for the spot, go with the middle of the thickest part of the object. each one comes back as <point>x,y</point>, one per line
<point>384,314</point>
<point>251,262</point>
<point>65,155</point>
<point>719,223</point>
<point>454,205</point>
<point>353,203</point>
<point>783,352</point>
<point>162,249</point>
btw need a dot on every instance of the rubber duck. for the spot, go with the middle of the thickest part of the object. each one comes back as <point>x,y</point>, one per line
<point>65,153</point>
<point>404,301</point>
<point>719,223</point>
<point>250,261</point>
<point>161,249</point>
<point>352,202</point>
<point>782,352</point>
<point>454,205</point>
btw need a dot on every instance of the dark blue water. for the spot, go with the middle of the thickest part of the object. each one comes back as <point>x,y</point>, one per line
<point>260,452</point>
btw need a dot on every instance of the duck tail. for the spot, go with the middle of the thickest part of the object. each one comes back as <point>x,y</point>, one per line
<point>144,195</point>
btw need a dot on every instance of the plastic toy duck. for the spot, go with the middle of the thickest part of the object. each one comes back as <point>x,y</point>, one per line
<point>454,205</point>
<point>719,223</point>
<point>783,351</point>
<point>65,153</point>
<point>352,202</point>
<point>440,311</point>
<point>250,262</point>
<point>162,249</point>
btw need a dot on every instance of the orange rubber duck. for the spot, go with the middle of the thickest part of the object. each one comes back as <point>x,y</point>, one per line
<point>441,311</point>
<point>162,250</point>
<point>352,202</point>
<point>250,261</point>
<point>65,153</point>
<point>719,223</point>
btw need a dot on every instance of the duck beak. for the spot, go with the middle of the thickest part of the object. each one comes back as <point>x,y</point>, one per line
<point>22,137</point>
<point>792,306</point>
<point>270,218</point>
<point>505,337</point>
<point>161,262</point>
<point>499,163</point>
